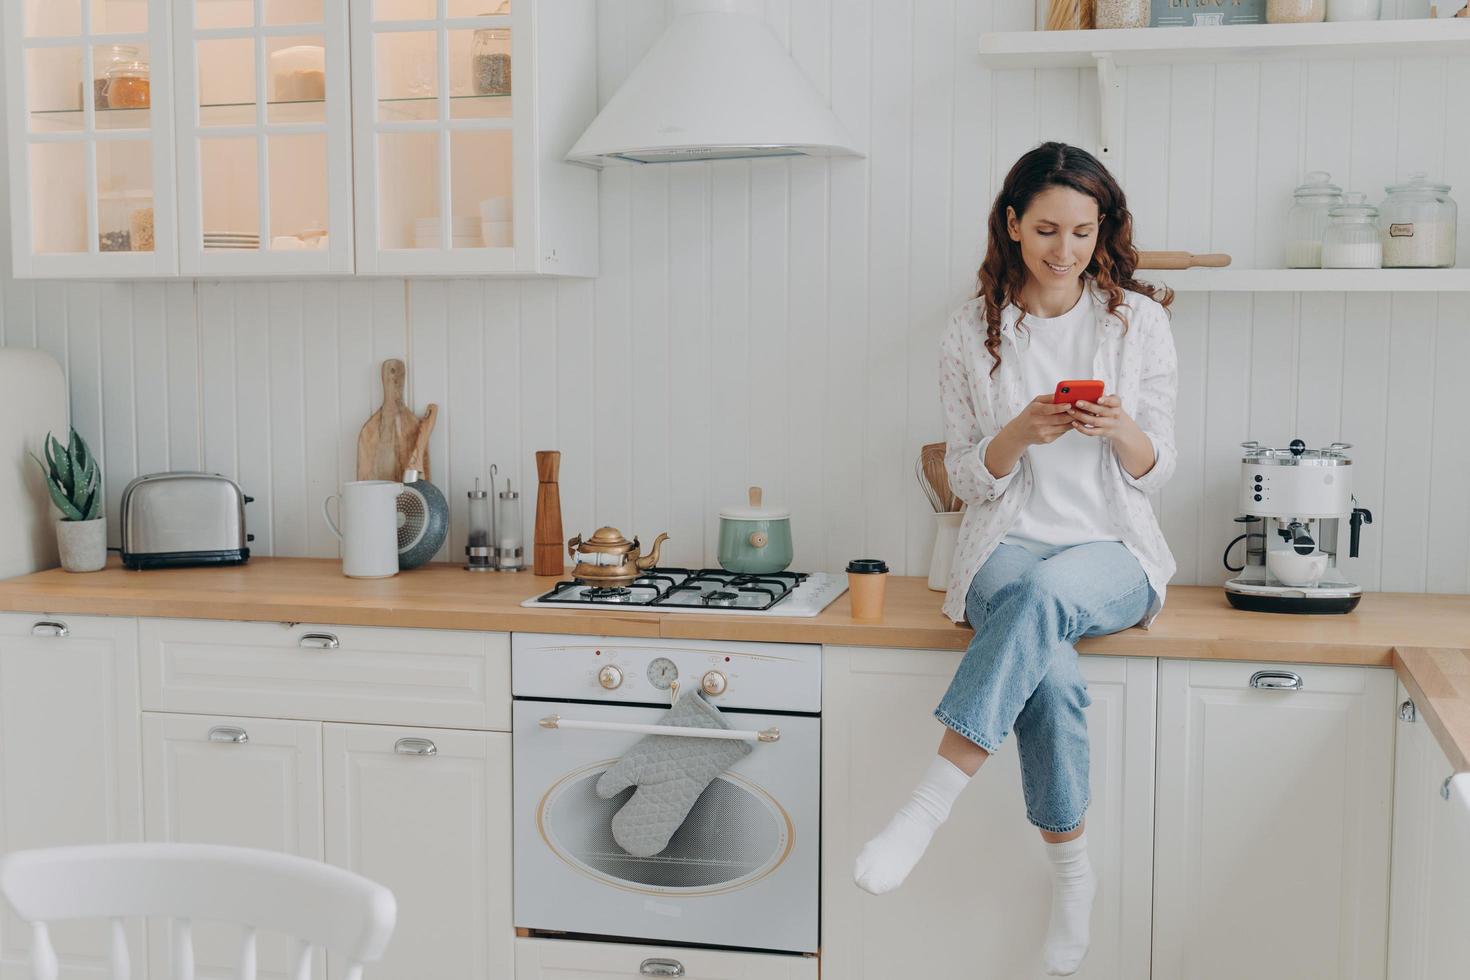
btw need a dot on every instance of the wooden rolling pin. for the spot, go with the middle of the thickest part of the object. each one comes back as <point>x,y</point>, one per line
<point>1181,260</point>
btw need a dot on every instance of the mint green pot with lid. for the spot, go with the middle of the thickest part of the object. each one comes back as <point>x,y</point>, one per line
<point>755,539</point>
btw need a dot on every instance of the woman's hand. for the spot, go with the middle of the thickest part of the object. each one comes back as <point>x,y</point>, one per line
<point>1105,417</point>
<point>1040,422</point>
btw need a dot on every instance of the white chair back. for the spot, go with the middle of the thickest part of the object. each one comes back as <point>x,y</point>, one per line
<point>320,905</point>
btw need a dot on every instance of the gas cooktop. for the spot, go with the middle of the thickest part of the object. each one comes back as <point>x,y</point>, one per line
<point>706,590</point>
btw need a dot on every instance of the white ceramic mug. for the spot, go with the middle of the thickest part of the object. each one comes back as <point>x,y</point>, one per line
<point>369,531</point>
<point>1300,571</point>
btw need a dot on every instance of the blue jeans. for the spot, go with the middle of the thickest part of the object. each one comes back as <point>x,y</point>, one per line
<point>1021,670</point>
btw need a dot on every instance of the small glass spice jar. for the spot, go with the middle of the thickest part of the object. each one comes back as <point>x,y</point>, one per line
<point>508,550</point>
<point>479,548</point>
<point>1295,11</point>
<point>1116,14</point>
<point>1307,220</point>
<point>127,85</point>
<point>1418,221</point>
<point>1351,240</point>
<point>490,57</point>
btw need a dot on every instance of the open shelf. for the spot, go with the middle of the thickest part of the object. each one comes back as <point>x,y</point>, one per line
<point>1310,280</point>
<point>308,110</point>
<point>1243,42</point>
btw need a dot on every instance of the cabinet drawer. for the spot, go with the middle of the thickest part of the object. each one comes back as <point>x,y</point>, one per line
<point>441,678</point>
<point>559,959</point>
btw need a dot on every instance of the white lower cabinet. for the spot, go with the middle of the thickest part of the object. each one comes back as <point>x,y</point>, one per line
<point>427,813</point>
<point>1273,821</point>
<point>69,768</point>
<point>246,782</point>
<point>978,903</point>
<point>556,959</point>
<point>1430,896</point>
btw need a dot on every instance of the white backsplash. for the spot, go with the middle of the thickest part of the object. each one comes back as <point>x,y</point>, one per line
<point>776,323</point>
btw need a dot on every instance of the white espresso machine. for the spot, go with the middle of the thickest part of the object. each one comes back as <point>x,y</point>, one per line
<point>1292,502</point>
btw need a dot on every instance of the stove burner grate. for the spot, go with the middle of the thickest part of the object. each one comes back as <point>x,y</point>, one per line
<point>672,586</point>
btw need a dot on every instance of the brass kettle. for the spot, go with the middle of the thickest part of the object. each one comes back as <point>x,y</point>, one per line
<point>607,559</point>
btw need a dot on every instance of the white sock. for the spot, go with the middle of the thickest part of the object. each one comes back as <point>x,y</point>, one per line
<point>887,859</point>
<point>1073,886</point>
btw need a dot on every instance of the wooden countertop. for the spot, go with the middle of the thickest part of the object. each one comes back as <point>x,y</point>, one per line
<point>1422,636</point>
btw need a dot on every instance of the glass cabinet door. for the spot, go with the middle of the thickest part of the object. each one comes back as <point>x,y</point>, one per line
<point>264,137</point>
<point>91,148</point>
<point>436,112</point>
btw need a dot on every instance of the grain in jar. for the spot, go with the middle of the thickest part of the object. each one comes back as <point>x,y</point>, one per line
<point>1418,221</point>
<point>1295,11</point>
<point>1351,240</point>
<point>1120,13</point>
<point>127,86</point>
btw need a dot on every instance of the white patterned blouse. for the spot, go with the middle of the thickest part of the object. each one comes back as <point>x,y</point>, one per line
<point>1138,364</point>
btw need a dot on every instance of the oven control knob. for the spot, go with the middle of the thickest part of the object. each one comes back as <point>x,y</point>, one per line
<point>610,677</point>
<point>714,683</point>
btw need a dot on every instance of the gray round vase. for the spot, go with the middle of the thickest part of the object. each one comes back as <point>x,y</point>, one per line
<point>83,544</point>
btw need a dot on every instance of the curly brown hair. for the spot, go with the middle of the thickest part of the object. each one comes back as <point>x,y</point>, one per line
<point>1114,261</point>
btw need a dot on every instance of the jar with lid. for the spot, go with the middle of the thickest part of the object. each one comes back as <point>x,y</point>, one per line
<point>1307,220</point>
<point>125,221</point>
<point>1295,11</point>
<point>127,85</point>
<point>108,58</point>
<point>1351,240</point>
<point>1120,13</point>
<point>1418,224</point>
<point>1338,10</point>
<point>508,551</point>
<point>490,56</point>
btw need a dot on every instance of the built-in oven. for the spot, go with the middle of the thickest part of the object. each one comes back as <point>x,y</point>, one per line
<point>741,870</point>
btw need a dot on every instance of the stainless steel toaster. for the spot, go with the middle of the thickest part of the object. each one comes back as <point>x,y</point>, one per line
<point>172,519</point>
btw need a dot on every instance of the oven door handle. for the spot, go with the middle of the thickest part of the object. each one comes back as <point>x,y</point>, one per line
<point>764,735</point>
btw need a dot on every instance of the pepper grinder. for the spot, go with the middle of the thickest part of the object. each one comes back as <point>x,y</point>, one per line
<point>508,551</point>
<point>479,549</point>
<point>549,542</point>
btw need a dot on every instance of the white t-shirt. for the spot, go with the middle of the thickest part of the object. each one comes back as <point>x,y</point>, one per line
<point>1066,505</point>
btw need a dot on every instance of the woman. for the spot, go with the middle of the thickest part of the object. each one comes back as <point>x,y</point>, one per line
<point>1059,540</point>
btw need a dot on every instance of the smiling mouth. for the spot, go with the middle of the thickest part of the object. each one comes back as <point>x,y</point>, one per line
<point>1058,269</point>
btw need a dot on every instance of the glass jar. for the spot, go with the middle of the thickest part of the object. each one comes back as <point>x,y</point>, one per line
<point>1418,225</point>
<point>127,85</point>
<point>479,548</point>
<point>508,550</point>
<point>490,57</point>
<point>125,221</point>
<point>1307,220</point>
<point>110,57</point>
<point>1351,240</point>
<point>1354,9</point>
<point>1120,13</point>
<point>1295,11</point>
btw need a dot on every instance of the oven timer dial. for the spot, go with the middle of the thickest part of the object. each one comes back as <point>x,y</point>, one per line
<point>610,677</point>
<point>714,683</point>
<point>662,673</point>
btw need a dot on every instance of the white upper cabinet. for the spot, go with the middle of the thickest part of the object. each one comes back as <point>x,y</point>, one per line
<point>300,137</point>
<point>463,111</point>
<point>264,137</point>
<point>89,104</point>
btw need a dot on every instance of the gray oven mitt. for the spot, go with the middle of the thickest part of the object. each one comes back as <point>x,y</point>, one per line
<point>670,773</point>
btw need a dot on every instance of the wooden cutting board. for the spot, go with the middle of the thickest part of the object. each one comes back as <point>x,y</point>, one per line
<point>388,437</point>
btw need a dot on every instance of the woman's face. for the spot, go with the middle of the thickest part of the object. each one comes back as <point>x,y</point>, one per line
<point>1058,234</point>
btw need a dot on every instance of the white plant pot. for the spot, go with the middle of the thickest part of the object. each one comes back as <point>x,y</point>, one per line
<point>83,544</point>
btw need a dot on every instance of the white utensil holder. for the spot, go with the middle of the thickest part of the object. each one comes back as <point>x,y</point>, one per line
<point>946,536</point>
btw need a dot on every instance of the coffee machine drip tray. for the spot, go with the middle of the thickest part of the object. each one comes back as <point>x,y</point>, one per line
<point>1258,596</point>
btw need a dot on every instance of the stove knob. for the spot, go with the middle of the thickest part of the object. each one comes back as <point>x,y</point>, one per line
<point>610,677</point>
<point>713,683</point>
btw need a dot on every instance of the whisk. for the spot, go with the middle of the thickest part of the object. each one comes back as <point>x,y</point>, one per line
<point>933,477</point>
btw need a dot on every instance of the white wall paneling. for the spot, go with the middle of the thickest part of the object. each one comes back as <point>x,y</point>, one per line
<point>775,322</point>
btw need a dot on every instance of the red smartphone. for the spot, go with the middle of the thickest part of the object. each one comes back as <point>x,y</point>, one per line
<point>1071,392</point>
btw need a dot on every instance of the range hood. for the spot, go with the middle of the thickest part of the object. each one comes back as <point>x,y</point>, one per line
<point>717,85</point>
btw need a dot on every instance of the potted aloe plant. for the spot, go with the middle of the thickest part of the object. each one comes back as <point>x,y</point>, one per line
<point>75,483</point>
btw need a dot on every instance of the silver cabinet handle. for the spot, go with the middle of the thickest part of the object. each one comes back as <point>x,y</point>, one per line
<point>50,627</point>
<point>228,733</point>
<point>320,641</point>
<point>415,746</point>
<point>661,968</point>
<point>1276,680</point>
<point>1407,712</point>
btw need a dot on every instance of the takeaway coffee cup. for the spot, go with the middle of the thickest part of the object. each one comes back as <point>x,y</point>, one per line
<point>369,529</point>
<point>867,580</point>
